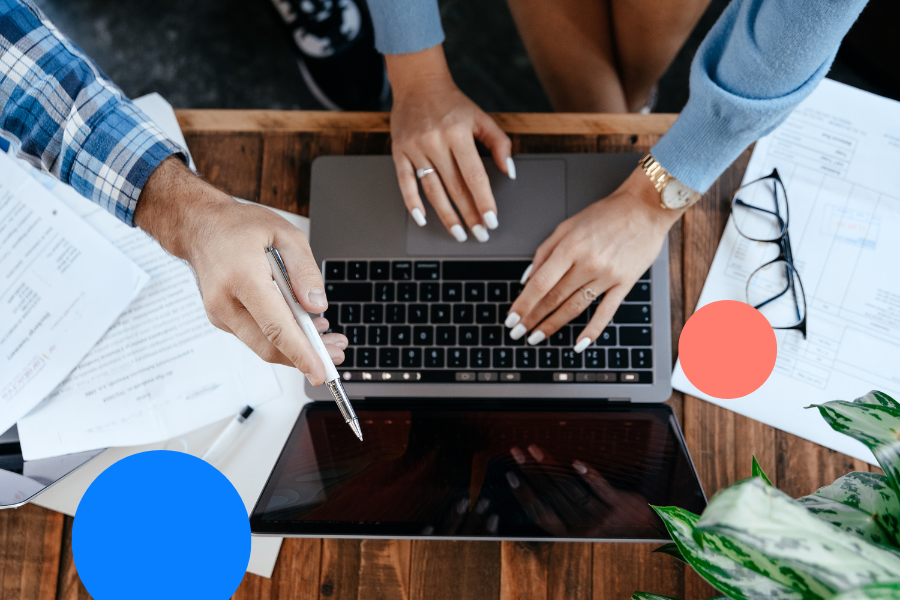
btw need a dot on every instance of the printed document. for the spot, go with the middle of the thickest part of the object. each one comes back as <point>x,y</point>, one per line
<point>837,155</point>
<point>61,287</point>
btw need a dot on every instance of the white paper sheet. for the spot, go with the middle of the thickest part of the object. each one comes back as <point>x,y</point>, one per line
<point>61,287</point>
<point>838,155</point>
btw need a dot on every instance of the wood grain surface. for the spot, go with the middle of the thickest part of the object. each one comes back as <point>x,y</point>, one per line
<point>266,156</point>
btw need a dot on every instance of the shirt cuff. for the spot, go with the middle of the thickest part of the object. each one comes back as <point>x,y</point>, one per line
<point>405,26</point>
<point>121,151</point>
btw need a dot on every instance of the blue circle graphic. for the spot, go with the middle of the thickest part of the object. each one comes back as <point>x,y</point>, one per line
<point>161,524</point>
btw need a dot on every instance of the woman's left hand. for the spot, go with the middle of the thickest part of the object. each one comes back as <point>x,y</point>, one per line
<point>605,249</point>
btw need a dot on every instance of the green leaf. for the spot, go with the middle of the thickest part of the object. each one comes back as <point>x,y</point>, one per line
<point>721,572</point>
<point>875,425</point>
<point>876,591</point>
<point>756,471</point>
<point>767,532</point>
<point>860,503</point>
<point>649,596</point>
<point>671,549</point>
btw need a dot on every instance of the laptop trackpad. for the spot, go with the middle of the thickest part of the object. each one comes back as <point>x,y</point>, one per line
<point>529,209</point>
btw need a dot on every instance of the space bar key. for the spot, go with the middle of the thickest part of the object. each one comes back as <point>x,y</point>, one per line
<point>348,292</point>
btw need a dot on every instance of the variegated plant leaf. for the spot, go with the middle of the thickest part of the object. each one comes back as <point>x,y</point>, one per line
<point>767,532</point>
<point>877,591</point>
<point>723,573</point>
<point>860,503</point>
<point>756,471</point>
<point>875,425</point>
<point>649,596</point>
<point>879,398</point>
<point>671,549</point>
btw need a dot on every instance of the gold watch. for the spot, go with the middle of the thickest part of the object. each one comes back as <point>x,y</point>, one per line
<point>673,195</point>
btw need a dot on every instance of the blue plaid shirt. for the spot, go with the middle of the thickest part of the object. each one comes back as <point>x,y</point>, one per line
<point>59,112</point>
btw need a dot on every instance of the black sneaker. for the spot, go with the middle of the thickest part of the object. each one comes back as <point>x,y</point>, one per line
<point>337,57</point>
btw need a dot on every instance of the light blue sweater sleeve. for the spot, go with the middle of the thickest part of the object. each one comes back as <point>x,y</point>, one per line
<point>404,26</point>
<point>757,63</point>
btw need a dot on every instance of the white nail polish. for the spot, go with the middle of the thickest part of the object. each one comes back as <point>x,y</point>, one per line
<point>490,219</point>
<point>511,168</point>
<point>459,233</point>
<point>418,217</point>
<point>536,338</point>
<point>581,345</point>
<point>579,466</point>
<point>518,331</point>
<point>512,320</point>
<point>526,274</point>
<point>481,233</point>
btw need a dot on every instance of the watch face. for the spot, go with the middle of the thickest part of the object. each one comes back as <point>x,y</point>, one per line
<point>677,195</point>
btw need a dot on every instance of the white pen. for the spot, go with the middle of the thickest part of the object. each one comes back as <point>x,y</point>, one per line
<point>228,436</point>
<point>332,379</point>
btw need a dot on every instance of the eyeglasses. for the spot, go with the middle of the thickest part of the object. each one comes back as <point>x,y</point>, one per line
<point>761,214</point>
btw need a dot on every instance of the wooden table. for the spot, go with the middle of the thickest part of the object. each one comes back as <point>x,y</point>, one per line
<point>266,156</point>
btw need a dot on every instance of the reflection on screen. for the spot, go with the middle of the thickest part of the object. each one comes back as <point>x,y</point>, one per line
<point>471,473</point>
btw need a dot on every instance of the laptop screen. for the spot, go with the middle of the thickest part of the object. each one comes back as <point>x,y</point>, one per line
<point>480,470</point>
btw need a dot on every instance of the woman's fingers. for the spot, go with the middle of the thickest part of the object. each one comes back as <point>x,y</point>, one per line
<point>602,316</point>
<point>541,284</point>
<point>409,188</point>
<point>575,304</point>
<point>476,180</point>
<point>459,192</point>
<point>494,138</point>
<point>434,190</point>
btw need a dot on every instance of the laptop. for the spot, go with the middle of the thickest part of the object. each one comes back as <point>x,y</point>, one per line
<point>468,433</point>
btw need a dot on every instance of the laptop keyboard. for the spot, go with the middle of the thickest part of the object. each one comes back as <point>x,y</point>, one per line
<point>441,321</point>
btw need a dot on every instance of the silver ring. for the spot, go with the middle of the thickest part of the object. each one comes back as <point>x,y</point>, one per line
<point>420,173</point>
<point>589,294</point>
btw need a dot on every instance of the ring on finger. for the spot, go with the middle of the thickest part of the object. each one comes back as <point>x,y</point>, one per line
<point>589,294</point>
<point>420,173</point>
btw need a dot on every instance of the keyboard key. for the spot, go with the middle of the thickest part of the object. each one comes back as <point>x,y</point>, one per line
<point>468,336</point>
<point>451,292</point>
<point>357,270</point>
<point>331,313</point>
<point>583,318</point>
<point>348,359</point>
<point>485,270</point>
<point>526,358</point>
<point>570,359</point>
<point>365,358</point>
<point>463,313</point>
<point>563,337</point>
<point>641,358</point>
<point>348,292</point>
<point>423,335</point>
<point>379,270</point>
<point>384,292</point>
<point>401,270</point>
<point>350,313</point>
<point>594,358</point>
<point>548,358</point>
<point>480,358</point>
<point>428,270</point>
<point>491,336</point>
<point>635,336</point>
<point>508,341</point>
<point>434,358</point>
<point>515,288</point>
<point>646,276</point>
<point>474,292</point>
<point>411,358</point>
<point>440,313</point>
<point>429,292</point>
<point>607,338</point>
<point>389,358</point>
<point>446,336</point>
<point>503,358</point>
<point>456,358</point>
<point>497,292</point>
<point>618,358</point>
<point>356,334</point>
<point>486,314</point>
<point>396,313</point>
<point>334,270</point>
<point>639,293</point>
<point>406,292</point>
<point>418,313</point>
<point>334,329</point>
<point>400,335</point>
<point>373,313</point>
<point>632,313</point>
<point>378,335</point>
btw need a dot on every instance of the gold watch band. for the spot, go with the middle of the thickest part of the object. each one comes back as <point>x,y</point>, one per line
<point>659,176</point>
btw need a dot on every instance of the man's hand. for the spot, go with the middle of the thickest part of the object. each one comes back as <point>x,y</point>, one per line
<point>606,247</point>
<point>434,126</point>
<point>225,243</point>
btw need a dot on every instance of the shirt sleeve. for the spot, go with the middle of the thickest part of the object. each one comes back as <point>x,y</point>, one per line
<point>404,26</point>
<point>60,113</point>
<point>759,61</point>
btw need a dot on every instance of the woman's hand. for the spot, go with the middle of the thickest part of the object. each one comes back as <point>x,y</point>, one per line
<point>434,126</point>
<point>605,248</point>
